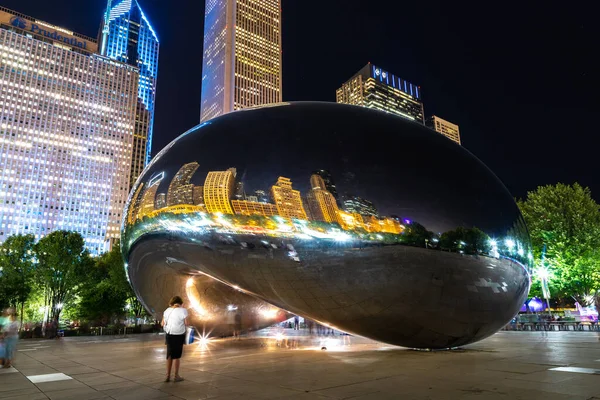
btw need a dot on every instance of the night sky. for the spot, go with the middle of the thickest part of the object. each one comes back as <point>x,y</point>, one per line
<point>520,79</point>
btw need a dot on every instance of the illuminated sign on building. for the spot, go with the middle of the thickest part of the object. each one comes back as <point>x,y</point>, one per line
<point>396,82</point>
<point>46,30</point>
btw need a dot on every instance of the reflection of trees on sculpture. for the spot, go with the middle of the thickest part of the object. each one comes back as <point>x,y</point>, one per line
<point>466,240</point>
<point>565,219</point>
<point>291,215</point>
<point>417,235</point>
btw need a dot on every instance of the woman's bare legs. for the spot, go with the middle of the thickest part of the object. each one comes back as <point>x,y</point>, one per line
<point>169,365</point>
<point>177,368</point>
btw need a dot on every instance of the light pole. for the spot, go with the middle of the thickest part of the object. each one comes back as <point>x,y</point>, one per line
<point>543,275</point>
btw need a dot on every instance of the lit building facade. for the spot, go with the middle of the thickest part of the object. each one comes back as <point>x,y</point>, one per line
<point>329,183</point>
<point>127,36</point>
<point>198,196</point>
<point>218,190</point>
<point>160,201</point>
<point>246,207</point>
<point>181,191</point>
<point>444,127</point>
<point>321,203</point>
<point>288,201</point>
<point>242,56</point>
<point>67,119</point>
<point>357,205</point>
<point>148,201</point>
<point>375,88</point>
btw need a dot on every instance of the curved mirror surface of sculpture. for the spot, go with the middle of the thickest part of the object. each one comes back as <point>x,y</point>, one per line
<point>364,221</point>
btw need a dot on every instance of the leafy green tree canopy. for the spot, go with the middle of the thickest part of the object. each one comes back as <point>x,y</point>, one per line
<point>63,266</point>
<point>17,271</point>
<point>564,225</point>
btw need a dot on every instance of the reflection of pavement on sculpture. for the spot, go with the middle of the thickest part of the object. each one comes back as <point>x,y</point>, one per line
<point>360,290</point>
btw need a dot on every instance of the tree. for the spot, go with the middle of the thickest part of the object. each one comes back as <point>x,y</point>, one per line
<point>565,221</point>
<point>107,294</point>
<point>63,265</point>
<point>17,271</point>
<point>467,240</point>
<point>416,234</point>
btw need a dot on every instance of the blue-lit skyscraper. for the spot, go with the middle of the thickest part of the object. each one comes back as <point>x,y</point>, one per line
<point>128,36</point>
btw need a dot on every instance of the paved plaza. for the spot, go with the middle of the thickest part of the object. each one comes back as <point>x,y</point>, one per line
<point>509,365</point>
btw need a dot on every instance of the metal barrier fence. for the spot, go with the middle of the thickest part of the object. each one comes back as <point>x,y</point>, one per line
<point>553,326</point>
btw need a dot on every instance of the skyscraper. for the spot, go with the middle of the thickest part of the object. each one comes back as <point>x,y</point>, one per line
<point>288,201</point>
<point>148,203</point>
<point>242,55</point>
<point>444,127</point>
<point>181,191</point>
<point>375,88</point>
<point>67,118</point>
<point>160,201</point>
<point>357,205</point>
<point>218,190</point>
<point>127,36</point>
<point>329,183</point>
<point>321,203</point>
<point>198,196</point>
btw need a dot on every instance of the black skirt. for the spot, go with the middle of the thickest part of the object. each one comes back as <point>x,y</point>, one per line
<point>175,346</point>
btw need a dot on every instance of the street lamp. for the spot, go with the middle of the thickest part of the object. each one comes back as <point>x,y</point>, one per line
<point>544,274</point>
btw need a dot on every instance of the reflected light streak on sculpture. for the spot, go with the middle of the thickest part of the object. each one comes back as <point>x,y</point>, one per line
<point>417,243</point>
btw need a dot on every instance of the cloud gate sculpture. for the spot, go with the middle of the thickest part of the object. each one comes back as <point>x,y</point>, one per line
<point>360,220</point>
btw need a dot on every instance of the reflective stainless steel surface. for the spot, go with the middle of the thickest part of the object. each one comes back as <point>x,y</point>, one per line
<point>361,220</point>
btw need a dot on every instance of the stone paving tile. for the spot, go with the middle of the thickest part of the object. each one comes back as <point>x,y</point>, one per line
<point>77,394</point>
<point>76,370</point>
<point>48,387</point>
<point>117,385</point>
<point>33,396</point>
<point>135,392</point>
<point>32,392</point>
<point>98,378</point>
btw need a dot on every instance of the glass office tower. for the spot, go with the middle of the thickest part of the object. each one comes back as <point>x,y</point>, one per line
<point>67,117</point>
<point>242,56</point>
<point>127,36</point>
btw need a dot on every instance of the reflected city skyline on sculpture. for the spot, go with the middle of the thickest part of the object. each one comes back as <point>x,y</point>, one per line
<point>222,202</point>
<point>326,224</point>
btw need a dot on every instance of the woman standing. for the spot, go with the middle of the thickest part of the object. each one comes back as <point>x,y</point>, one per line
<point>174,323</point>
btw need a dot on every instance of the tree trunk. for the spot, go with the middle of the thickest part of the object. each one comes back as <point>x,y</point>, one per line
<point>21,325</point>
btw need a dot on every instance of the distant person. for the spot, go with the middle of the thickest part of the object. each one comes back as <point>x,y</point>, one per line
<point>310,324</point>
<point>319,329</point>
<point>296,323</point>
<point>174,323</point>
<point>3,322</point>
<point>597,304</point>
<point>238,325</point>
<point>10,335</point>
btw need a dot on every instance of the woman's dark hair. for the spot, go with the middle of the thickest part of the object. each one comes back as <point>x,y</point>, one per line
<point>175,300</point>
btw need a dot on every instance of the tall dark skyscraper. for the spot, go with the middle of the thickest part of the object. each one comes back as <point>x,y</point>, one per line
<point>329,183</point>
<point>127,36</point>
